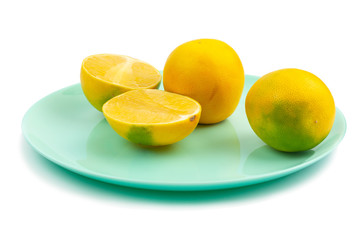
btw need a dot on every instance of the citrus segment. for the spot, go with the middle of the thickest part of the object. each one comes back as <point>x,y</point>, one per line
<point>152,117</point>
<point>290,109</point>
<point>104,76</point>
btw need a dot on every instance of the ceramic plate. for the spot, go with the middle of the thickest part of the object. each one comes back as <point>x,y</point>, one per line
<point>68,131</point>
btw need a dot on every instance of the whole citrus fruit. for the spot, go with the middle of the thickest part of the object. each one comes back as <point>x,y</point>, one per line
<point>104,76</point>
<point>152,117</point>
<point>290,109</point>
<point>208,71</point>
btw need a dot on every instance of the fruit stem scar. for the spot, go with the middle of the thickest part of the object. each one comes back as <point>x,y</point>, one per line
<point>192,118</point>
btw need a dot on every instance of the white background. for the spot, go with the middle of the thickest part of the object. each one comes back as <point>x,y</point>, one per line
<point>42,46</point>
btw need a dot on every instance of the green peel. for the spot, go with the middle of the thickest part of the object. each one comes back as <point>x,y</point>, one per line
<point>141,135</point>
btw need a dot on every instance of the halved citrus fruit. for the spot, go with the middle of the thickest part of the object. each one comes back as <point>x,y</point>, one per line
<point>152,117</point>
<point>104,76</point>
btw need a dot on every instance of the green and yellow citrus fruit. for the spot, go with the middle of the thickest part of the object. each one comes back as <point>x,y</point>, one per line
<point>290,109</point>
<point>152,117</point>
<point>208,71</point>
<point>104,76</point>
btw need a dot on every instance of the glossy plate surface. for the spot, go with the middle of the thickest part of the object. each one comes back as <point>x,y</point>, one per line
<point>67,130</point>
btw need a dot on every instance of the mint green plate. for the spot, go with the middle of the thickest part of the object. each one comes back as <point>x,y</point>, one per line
<point>68,131</point>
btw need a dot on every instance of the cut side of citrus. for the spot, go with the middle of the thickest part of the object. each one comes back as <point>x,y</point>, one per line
<point>104,76</point>
<point>152,117</point>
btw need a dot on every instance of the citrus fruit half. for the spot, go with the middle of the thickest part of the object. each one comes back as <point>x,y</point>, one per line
<point>152,117</point>
<point>290,109</point>
<point>210,72</point>
<point>104,76</point>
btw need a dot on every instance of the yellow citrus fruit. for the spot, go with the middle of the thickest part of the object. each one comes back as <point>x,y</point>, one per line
<point>104,76</point>
<point>290,109</point>
<point>210,72</point>
<point>152,117</point>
